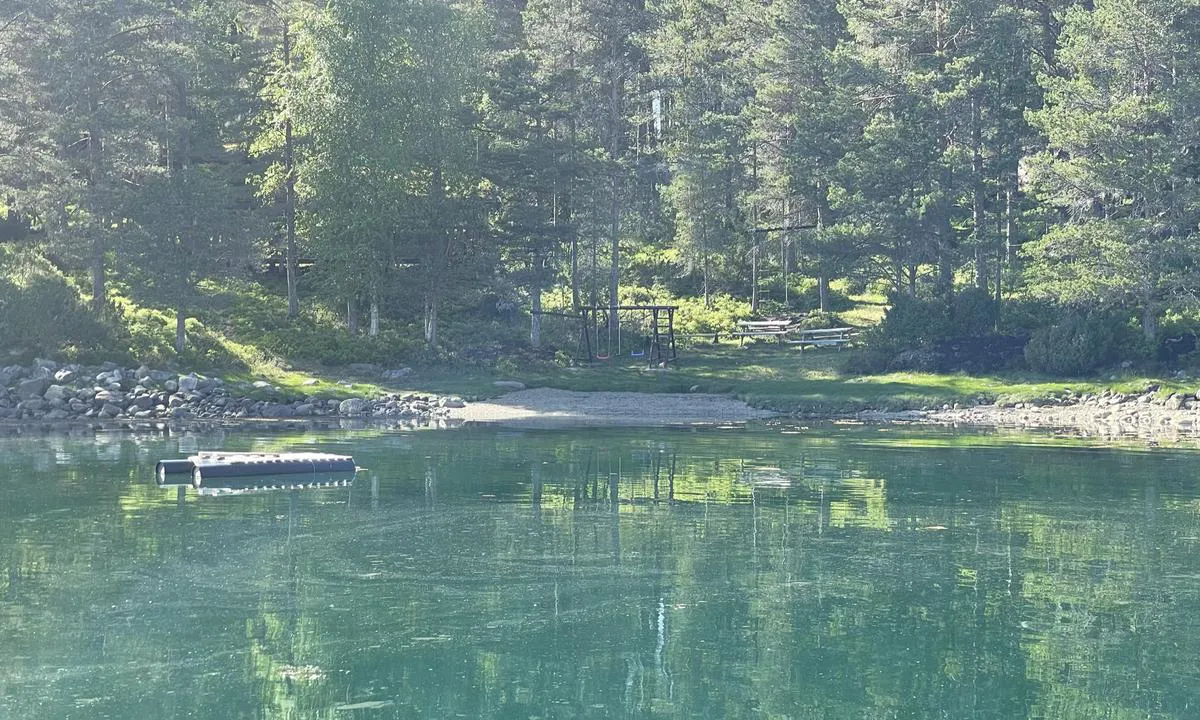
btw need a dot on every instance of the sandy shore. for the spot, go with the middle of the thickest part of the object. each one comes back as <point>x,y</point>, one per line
<point>544,407</point>
<point>1174,419</point>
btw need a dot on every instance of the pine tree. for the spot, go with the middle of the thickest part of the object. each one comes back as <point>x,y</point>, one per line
<point>1120,163</point>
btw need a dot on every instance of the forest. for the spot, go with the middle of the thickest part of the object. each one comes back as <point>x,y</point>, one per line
<point>993,168</point>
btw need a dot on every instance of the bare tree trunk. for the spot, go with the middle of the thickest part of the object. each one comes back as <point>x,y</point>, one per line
<point>977,220</point>
<point>373,327</point>
<point>352,315</point>
<point>431,319</point>
<point>98,299</point>
<point>754,275</point>
<point>180,328</point>
<point>290,184</point>
<point>535,319</point>
<point>615,206</point>
<point>823,292</point>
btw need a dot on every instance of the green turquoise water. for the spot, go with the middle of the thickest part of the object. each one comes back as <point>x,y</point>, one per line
<point>769,572</point>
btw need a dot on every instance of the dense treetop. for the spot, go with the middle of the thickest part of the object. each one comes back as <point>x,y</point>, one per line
<point>428,154</point>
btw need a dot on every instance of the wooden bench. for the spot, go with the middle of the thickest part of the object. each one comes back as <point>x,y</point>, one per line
<point>824,337</point>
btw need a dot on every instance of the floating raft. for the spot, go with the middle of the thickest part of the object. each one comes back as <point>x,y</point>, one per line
<point>258,483</point>
<point>206,467</point>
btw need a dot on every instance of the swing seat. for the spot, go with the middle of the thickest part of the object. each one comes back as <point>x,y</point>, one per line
<point>637,353</point>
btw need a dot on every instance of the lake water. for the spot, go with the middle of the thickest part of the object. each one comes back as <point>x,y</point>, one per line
<point>763,572</point>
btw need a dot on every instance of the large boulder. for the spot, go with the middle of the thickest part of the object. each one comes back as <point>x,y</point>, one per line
<point>188,383</point>
<point>116,397</point>
<point>33,405</point>
<point>34,387</point>
<point>11,374</point>
<point>353,406</point>
<point>57,393</point>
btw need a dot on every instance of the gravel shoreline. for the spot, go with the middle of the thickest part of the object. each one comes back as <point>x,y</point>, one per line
<point>545,407</point>
<point>46,397</point>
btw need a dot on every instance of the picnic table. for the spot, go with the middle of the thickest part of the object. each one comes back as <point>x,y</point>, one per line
<point>786,330</point>
<point>763,328</point>
<point>823,337</point>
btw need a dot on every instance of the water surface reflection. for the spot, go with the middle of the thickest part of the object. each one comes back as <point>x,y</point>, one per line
<point>843,573</point>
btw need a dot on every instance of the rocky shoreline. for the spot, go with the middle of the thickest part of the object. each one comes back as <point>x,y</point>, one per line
<point>1110,415</point>
<point>47,393</point>
<point>46,397</point>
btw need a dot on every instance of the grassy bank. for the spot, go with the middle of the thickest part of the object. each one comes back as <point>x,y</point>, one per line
<point>784,379</point>
<point>241,332</point>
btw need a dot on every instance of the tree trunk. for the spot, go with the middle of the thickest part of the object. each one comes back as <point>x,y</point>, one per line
<point>823,292</point>
<point>98,299</point>
<point>754,277</point>
<point>431,319</point>
<point>1149,321</point>
<point>180,328</point>
<point>352,316</point>
<point>290,184</point>
<point>615,206</point>
<point>373,328</point>
<point>977,221</point>
<point>535,315</point>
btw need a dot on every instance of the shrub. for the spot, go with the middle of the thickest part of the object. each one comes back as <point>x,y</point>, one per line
<point>1076,346</point>
<point>40,312</point>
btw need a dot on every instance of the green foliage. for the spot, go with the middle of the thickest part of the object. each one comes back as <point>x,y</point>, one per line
<point>1076,346</point>
<point>819,321</point>
<point>41,313</point>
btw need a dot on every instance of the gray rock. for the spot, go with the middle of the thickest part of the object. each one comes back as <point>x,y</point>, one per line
<point>110,410</point>
<point>304,409</point>
<point>141,402</point>
<point>397,373</point>
<point>116,397</point>
<point>278,410</point>
<point>353,406</point>
<point>48,365</point>
<point>33,405</point>
<point>188,383</point>
<point>66,376</point>
<point>310,382</point>
<point>32,388</point>
<point>57,414</point>
<point>1175,402</point>
<point>170,386</point>
<point>57,393</point>
<point>262,384</point>
<point>511,384</point>
<point>452,402</point>
<point>11,374</point>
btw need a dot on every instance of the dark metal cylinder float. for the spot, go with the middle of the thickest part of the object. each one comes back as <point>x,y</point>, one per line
<point>178,471</point>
